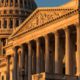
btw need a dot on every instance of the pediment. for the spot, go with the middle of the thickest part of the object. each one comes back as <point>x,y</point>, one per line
<point>41,16</point>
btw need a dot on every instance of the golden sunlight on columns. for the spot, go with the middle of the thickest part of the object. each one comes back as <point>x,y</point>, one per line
<point>67,52</point>
<point>57,63</point>
<point>78,50</point>
<point>47,54</point>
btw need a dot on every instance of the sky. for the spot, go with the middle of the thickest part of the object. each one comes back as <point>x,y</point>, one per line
<point>50,3</point>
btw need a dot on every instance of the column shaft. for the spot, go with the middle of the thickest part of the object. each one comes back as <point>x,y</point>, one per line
<point>47,54</point>
<point>67,52</point>
<point>26,66</point>
<point>78,50</point>
<point>8,68</point>
<point>38,56</point>
<point>22,62</point>
<point>15,64</point>
<point>57,64</point>
<point>29,61</point>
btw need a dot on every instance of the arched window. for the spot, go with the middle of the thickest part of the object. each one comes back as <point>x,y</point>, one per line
<point>5,24</point>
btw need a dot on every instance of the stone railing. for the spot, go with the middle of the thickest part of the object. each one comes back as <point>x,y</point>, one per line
<point>47,76</point>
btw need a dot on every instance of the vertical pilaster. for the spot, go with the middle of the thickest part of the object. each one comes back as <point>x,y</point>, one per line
<point>47,54</point>
<point>29,61</point>
<point>38,56</point>
<point>78,50</point>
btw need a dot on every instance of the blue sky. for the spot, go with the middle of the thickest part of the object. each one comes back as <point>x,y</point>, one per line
<point>49,3</point>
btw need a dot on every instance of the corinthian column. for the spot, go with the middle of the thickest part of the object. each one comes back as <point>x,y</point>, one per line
<point>67,52</point>
<point>29,61</point>
<point>78,50</point>
<point>38,56</point>
<point>57,52</point>
<point>22,62</point>
<point>15,64</point>
<point>8,68</point>
<point>47,54</point>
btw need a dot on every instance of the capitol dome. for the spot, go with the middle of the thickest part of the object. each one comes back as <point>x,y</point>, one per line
<point>12,14</point>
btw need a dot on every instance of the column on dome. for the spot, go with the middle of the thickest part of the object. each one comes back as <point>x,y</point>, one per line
<point>19,3</point>
<point>14,23</point>
<point>14,3</point>
<point>4,2</point>
<point>2,23</point>
<point>9,2</point>
<point>8,23</point>
<point>23,3</point>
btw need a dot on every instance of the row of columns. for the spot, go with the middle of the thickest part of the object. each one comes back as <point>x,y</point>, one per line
<point>13,3</point>
<point>47,58</point>
<point>10,23</point>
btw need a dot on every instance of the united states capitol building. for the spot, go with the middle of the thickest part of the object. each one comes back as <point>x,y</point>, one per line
<point>39,43</point>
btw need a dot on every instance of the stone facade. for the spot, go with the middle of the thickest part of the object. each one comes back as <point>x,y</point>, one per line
<point>46,46</point>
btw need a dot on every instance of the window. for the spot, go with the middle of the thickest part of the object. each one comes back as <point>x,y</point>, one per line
<point>11,11</point>
<point>11,23</point>
<point>16,1</point>
<point>21,3</point>
<point>2,77</point>
<point>17,23</point>
<point>4,11</point>
<point>5,24</point>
